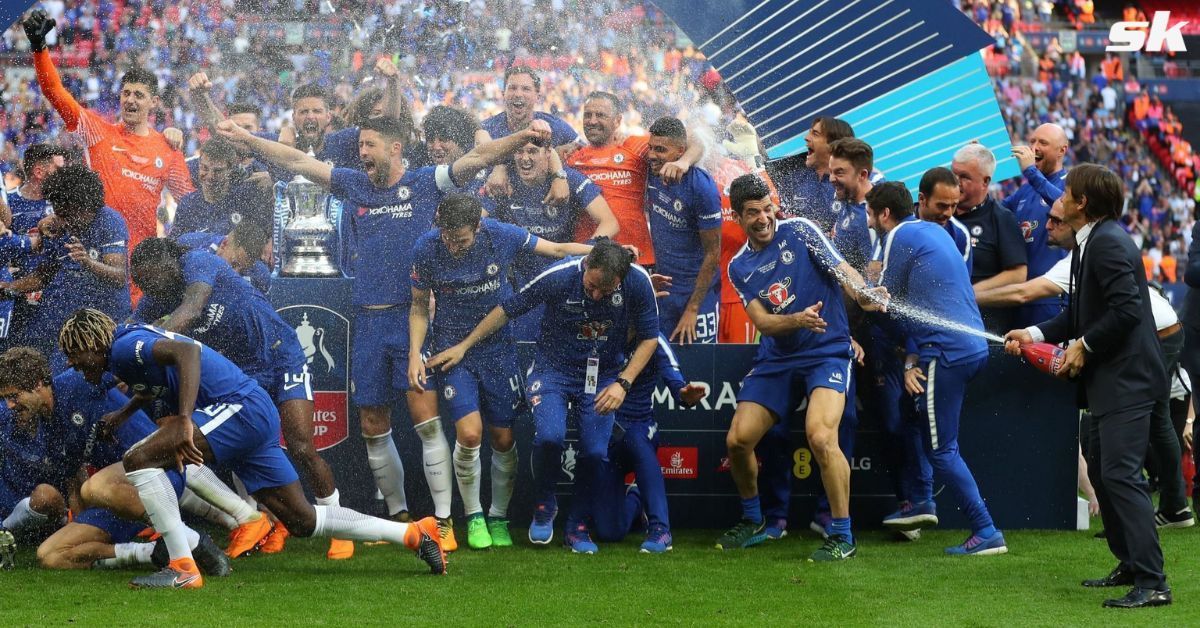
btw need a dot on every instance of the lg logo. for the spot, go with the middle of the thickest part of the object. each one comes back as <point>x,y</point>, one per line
<point>1132,36</point>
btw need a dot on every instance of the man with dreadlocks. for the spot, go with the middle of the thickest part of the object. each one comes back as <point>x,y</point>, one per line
<point>211,412</point>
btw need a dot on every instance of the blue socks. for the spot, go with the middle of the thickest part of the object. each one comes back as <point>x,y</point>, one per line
<point>751,510</point>
<point>987,532</point>
<point>841,527</point>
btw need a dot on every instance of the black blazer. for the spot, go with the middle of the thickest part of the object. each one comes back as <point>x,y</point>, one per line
<point>1191,275</point>
<point>1110,309</point>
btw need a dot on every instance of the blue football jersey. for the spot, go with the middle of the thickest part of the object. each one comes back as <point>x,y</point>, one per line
<point>73,285</point>
<point>575,327</point>
<point>258,274</point>
<point>386,223</point>
<point>962,241</point>
<point>678,213</point>
<point>1031,208</point>
<point>466,288</point>
<point>560,132</point>
<point>131,360</point>
<point>196,214</point>
<point>923,269</point>
<point>851,235</point>
<point>26,213</point>
<point>792,273</point>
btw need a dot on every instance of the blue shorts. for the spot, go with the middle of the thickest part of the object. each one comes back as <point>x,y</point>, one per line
<point>288,385</point>
<point>379,356</point>
<point>243,434</point>
<point>670,308</point>
<point>119,530</point>
<point>528,326</point>
<point>489,383</point>
<point>781,386</point>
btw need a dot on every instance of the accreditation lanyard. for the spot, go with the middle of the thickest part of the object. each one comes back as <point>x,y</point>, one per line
<point>592,375</point>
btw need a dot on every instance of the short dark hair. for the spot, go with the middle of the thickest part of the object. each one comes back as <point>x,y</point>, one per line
<point>1101,187</point>
<point>220,150</point>
<point>392,129</point>
<point>747,187</point>
<point>458,210</point>
<point>934,177</point>
<point>360,108</point>
<point>610,257</point>
<point>618,107</point>
<point>527,71</point>
<point>74,188</point>
<point>244,107</point>
<point>251,236</point>
<point>855,151</point>
<point>39,153</point>
<point>893,195</point>
<point>834,128</point>
<point>312,90</point>
<point>451,123</point>
<point>669,127</point>
<point>155,253</point>
<point>140,75</point>
<point>23,368</point>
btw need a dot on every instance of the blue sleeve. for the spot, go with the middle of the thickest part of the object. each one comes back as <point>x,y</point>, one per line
<point>818,246</point>
<point>114,237</point>
<point>515,240</point>
<point>260,277</point>
<point>1040,184</point>
<point>342,181</point>
<point>132,348</point>
<point>582,188</point>
<point>667,366</point>
<point>202,267</point>
<point>643,308</point>
<point>706,201</point>
<point>13,247</point>
<point>498,211</point>
<point>897,263</point>
<point>423,260</point>
<point>531,295</point>
<point>1009,241</point>
<point>561,132</point>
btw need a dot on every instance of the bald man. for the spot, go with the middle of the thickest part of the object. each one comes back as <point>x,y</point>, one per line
<point>1042,166</point>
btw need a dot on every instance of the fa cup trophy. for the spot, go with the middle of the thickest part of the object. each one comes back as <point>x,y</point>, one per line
<point>308,237</point>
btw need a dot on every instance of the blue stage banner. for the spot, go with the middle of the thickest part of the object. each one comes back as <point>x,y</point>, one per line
<point>1018,434</point>
<point>11,10</point>
<point>788,61</point>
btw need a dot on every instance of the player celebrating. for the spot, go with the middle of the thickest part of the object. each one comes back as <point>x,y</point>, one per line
<point>591,303</point>
<point>212,412</point>
<point>685,219</point>
<point>464,263</point>
<point>390,207</point>
<point>134,161</point>
<point>197,293</point>
<point>788,275</point>
<point>923,267</point>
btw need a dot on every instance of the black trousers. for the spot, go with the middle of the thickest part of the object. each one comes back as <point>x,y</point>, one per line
<point>1115,453</point>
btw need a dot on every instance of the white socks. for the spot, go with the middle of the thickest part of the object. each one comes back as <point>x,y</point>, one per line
<point>128,555</point>
<point>385,464</point>
<point>162,508</point>
<point>211,489</point>
<point>22,517</point>
<point>332,500</point>
<point>191,503</point>
<point>436,454</point>
<point>343,523</point>
<point>467,469</point>
<point>504,470</point>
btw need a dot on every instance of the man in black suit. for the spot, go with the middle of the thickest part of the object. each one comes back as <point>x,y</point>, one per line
<point>1115,354</point>
<point>1190,317</point>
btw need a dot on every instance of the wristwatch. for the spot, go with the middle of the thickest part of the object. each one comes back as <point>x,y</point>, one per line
<point>561,174</point>
<point>625,384</point>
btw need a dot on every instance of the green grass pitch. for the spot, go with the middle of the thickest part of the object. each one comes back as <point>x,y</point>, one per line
<point>888,583</point>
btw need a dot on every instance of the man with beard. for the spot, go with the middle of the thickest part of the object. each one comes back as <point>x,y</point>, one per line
<point>803,180</point>
<point>850,163</point>
<point>685,219</point>
<point>449,133</point>
<point>389,208</point>
<point>618,166</point>
<point>134,161</point>
<point>1042,165</point>
<point>27,203</point>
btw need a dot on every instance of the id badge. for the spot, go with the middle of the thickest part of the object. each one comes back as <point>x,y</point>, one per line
<point>593,373</point>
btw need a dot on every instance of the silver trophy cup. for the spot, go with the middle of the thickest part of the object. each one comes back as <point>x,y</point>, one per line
<point>309,235</point>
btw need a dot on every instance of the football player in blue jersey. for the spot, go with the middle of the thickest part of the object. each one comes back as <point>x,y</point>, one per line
<point>242,249</point>
<point>224,198</point>
<point>635,449</point>
<point>28,203</point>
<point>922,268</point>
<point>211,412</point>
<point>390,207</point>
<point>1042,166</point>
<point>937,202</point>
<point>685,220</point>
<point>464,263</point>
<point>851,161</point>
<point>197,293</point>
<point>528,207</point>
<point>591,304</point>
<point>791,279</point>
